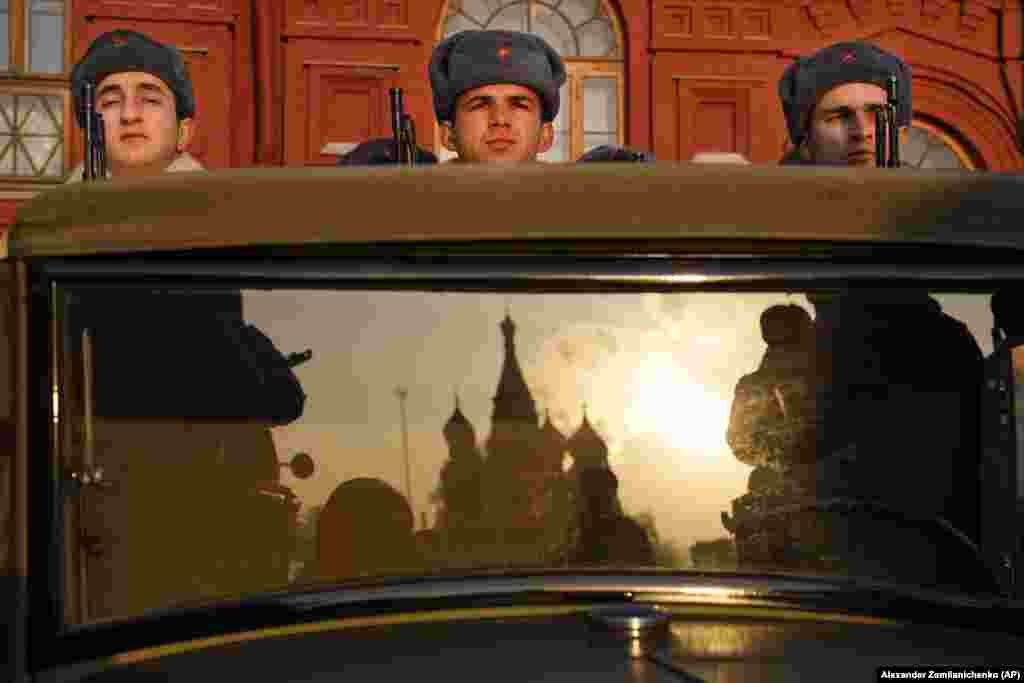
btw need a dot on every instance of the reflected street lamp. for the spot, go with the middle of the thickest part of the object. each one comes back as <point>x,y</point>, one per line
<point>402,393</point>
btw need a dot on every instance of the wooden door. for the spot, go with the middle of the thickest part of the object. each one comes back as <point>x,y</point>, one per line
<point>333,106</point>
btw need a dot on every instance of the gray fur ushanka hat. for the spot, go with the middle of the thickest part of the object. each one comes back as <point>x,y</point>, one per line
<point>121,50</point>
<point>471,59</point>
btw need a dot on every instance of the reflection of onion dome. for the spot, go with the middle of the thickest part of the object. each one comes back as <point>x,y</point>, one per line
<point>512,401</point>
<point>458,429</point>
<point>786,324</point>
<point>587,447</point>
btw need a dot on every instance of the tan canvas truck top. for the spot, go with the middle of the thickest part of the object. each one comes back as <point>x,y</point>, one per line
<point>586,204</point>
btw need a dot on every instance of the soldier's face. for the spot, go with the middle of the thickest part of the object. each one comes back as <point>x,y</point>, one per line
<point>498,123</point>
<point>142,127</point>
<point>843,125</point>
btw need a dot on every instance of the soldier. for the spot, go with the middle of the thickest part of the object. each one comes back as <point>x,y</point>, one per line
<point>772,418</point>
<point>872,411</point>
<point>144,93</point>
<point>829,100</point>
<point>880,390</point>
<point>182,420</point>
<point>496,96</point>
<point>887,414</point>
<point>868,345</point>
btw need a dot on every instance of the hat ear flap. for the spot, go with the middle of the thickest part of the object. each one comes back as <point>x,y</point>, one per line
<point>558,77</point>
<point>787,86</point>
<point>558,74</point>
<point>440,81</point>
<point>789,94</point>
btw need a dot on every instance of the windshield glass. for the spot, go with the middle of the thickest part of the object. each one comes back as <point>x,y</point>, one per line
<point>836,433</point>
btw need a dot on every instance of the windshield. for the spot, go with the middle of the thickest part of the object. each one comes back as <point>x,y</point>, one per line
<point>436,433</point>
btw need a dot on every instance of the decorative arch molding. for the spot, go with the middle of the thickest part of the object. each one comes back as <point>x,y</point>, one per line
<point>980,126</point>
<point>969,24</point>
<point>635,19</point>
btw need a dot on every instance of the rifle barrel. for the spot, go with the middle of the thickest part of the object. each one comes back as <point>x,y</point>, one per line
<point>100,141</point>
<point>894,140</point>
<point>409,140</point>
<point>88,161</point>
<point>881,135</point>
<point>397,116</point>
<point>892,104</point>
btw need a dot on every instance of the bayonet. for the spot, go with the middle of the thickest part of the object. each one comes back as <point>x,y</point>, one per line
<point>887,129</point>
<point>403,130</point>
<point>892,109</point>
<point>94,158</point>
<point>88,109</point>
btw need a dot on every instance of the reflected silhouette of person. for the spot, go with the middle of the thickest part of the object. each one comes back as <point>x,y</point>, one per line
<point>902,396</point>
<point>606,536</point>
<point>365,529</point>
<point>887,413</point>
<point>771,424</point>
<point>881,388</point>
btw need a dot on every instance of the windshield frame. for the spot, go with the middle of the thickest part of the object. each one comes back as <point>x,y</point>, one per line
<point>523,267</point>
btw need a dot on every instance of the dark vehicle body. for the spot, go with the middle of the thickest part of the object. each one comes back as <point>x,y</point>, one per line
<point>604,230</point>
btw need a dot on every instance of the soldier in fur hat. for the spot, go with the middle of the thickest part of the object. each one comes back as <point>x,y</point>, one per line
<point>145,95</point>
<point>172,409</point>
<point>830,98</point>
<point>496,96</point>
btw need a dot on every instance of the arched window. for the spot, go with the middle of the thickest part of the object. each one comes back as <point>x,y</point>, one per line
<point>587,36</point>
<point>929,145</point>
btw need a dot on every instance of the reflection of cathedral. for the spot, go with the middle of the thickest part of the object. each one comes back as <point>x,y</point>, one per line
<point>514,487</point>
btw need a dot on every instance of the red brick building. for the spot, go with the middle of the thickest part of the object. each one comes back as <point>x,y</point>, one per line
<point>291,82</point>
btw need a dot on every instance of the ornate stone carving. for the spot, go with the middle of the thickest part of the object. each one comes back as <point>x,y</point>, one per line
<point>933,10</point>
<point>676,20</point>
<point>352,12</point>
<point>829,15</point>
<point>756,23</point>
<point>973,15</point>
<point>898,8</point>
<point>822,15</point>
<point>393,12</point>
<point>313,13</point>
<point>861,10</point>
<point>718,22</point>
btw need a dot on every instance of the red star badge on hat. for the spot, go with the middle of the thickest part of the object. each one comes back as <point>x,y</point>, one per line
<point>849,57</point>
<point>503,53</point>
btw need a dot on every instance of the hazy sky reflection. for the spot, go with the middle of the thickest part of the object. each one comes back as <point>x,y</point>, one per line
<point>656,372</point>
